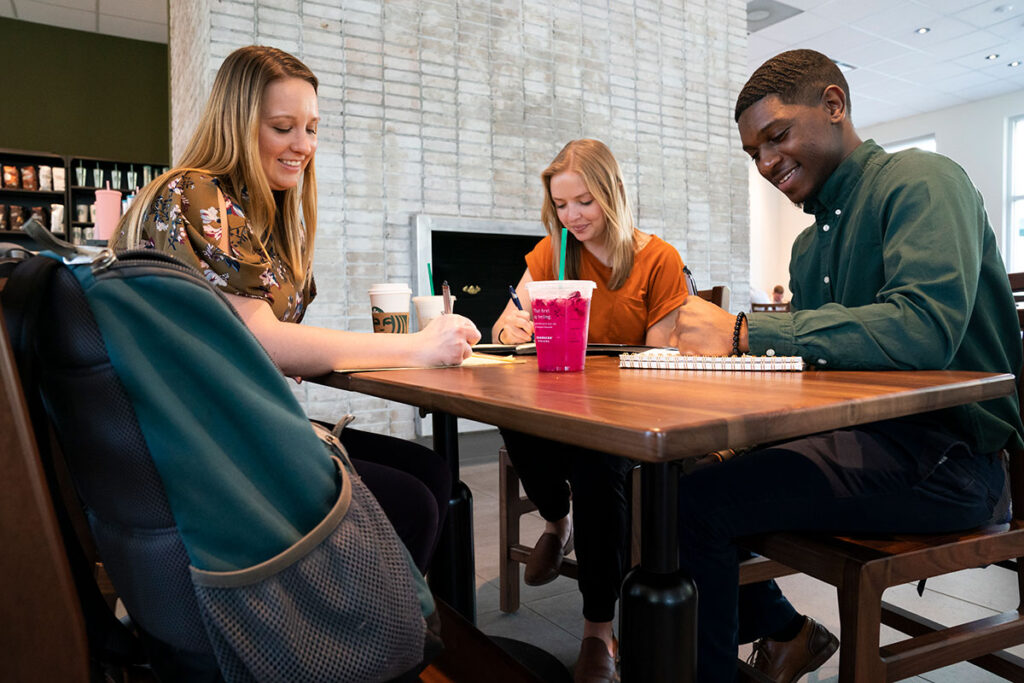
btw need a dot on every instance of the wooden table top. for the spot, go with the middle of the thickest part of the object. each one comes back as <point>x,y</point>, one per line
<point>657,415</point>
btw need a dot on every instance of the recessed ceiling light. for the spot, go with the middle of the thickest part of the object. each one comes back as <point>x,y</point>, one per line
<point>992,57</point>
<point>758,14</point>
<point>923,30</point>
<point>1003,9</point>
<point>1015,62</point>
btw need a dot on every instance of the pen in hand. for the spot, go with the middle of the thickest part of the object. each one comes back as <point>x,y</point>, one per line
<point>447,294</point>
<point>515,300</point>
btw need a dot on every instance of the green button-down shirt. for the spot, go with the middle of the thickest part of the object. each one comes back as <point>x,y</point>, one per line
<point>901,271</point>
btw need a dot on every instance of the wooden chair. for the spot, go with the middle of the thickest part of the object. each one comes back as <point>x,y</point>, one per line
<point>41,624</point>
<point>718,295</point>
<point>861,568</point>
<point>781,307</point>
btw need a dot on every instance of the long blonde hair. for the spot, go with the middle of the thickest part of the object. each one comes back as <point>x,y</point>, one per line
<point>603,178</point>
<point>225,144</point>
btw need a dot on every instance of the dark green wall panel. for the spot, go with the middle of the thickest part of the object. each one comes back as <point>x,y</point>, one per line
<point>81,93</point>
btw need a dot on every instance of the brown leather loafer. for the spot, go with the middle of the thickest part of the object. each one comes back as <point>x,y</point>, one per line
<point>595,665</point>
<point>786,661</point>
<point>546,558</point>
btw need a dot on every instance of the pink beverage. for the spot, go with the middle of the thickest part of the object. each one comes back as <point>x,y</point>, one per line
<point>561,318</point>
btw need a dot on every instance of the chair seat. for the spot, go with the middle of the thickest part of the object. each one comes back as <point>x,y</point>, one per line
<point>825,556</point>
<point>863,567</point>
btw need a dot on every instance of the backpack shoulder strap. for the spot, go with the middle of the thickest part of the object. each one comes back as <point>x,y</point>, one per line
<point>24,298</point>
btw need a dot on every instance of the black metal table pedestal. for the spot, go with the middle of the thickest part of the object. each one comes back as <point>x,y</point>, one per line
<point>658,614</point>
<point>452,575</point>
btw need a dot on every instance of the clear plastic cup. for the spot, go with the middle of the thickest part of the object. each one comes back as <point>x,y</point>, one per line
<point>389,303</point>
<point>429,307</point>
<point>561,318</point>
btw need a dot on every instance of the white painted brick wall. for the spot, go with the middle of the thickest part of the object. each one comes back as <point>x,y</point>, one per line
<point>453,107</point>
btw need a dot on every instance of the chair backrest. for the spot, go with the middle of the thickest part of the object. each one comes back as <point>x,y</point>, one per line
<point>718,295</point>
<point>781,307</point>
<point>41,624</point>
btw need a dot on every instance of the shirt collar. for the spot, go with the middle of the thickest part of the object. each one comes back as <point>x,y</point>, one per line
<point>843,180</point>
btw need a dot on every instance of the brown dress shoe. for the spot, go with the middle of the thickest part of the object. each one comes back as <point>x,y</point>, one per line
<point>786,661</point>
<point>546,558</point>
<point>595,665</point>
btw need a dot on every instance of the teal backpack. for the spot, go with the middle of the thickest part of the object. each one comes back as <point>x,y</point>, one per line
<point>228,525</point>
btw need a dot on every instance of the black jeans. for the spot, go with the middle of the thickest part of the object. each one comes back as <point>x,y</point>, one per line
<point>411,482</point>
<point>553,472</point>
<point>888,477</point>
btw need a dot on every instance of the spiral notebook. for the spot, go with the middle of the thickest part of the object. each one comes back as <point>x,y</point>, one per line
<point>670,359</point>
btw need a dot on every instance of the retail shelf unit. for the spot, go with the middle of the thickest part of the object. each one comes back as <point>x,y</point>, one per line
<point>75,192</point>
<point>21,195</point>
<point>88,174</point>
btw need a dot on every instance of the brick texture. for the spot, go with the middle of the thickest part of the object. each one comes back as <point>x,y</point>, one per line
<point>454,107</point>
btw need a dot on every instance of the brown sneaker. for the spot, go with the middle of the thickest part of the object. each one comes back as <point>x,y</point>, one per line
<point>595,665</point>
<point>546,559</point>
<point>785,661</point>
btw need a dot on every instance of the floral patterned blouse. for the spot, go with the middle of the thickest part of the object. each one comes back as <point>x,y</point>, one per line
<point>184,221</point>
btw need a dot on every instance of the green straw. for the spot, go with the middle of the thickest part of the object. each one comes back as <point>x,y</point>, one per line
<point>430,279</point>
<point>561,258</point>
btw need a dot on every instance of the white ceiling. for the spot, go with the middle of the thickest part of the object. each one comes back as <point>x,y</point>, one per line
<point>138,19</point>
<point>898,72</point>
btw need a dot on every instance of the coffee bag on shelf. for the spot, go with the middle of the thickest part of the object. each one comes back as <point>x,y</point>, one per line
<point>11,176</point>
<point>58,179</point>
<point>28,178</point>
<point>45,174</point>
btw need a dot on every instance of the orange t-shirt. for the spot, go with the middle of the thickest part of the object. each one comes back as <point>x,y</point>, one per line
<point>655,287</point>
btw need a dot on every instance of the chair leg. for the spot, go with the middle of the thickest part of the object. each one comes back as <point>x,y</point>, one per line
<point>508,533</point>
<point>860,618</point>
<point>634,517</point>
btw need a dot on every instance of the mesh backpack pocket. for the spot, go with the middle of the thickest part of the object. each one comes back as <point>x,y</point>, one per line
<point>339,605</point>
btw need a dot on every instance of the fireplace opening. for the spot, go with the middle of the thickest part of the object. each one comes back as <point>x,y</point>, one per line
<point>479,267</point>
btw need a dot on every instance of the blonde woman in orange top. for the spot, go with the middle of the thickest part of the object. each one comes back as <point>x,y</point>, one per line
<point>640,284</point>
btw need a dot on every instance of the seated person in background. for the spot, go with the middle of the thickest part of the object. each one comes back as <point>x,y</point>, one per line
<point>900,270</point>
<point>777,294</point>
<point>640,283</point>
<point>241,208</point>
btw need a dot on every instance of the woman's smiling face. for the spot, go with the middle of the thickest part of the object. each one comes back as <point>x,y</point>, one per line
<point>576,208</point>
<point>288,123</point>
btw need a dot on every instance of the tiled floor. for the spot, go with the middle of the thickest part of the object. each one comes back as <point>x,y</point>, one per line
<point>550,615</point>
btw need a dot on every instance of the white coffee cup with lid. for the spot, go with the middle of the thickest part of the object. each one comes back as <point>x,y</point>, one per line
<point>389,303</point>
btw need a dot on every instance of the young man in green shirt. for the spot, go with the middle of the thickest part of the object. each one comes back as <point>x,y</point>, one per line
<point>899,271</point>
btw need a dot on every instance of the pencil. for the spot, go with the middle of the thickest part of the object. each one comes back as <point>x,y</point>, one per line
<point>447,294</point>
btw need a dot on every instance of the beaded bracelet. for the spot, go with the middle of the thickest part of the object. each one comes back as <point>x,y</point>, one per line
<point>740,317</point>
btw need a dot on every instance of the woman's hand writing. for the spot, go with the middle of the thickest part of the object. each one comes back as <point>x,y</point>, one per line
<point>514,327</point>
<point>447,340</point>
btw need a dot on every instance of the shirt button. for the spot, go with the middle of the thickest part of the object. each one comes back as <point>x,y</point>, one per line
<point>770,352</point>
<point>822,361</point>
<point>825,227</point>
<point>826,279</point>
<point>839,212</point>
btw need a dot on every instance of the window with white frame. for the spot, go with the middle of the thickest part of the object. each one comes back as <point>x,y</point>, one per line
<point>927,143</point>
<point>1015,194</point>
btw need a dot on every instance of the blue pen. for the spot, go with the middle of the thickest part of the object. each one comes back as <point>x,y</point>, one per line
<point>515,299</point>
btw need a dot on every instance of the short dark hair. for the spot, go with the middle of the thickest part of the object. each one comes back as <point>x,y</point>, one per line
<point>796,76</point>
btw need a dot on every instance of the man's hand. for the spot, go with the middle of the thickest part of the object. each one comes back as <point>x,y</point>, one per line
<point>704,329</point>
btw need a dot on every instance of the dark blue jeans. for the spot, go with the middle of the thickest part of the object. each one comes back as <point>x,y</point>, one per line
<point>888,477</point>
